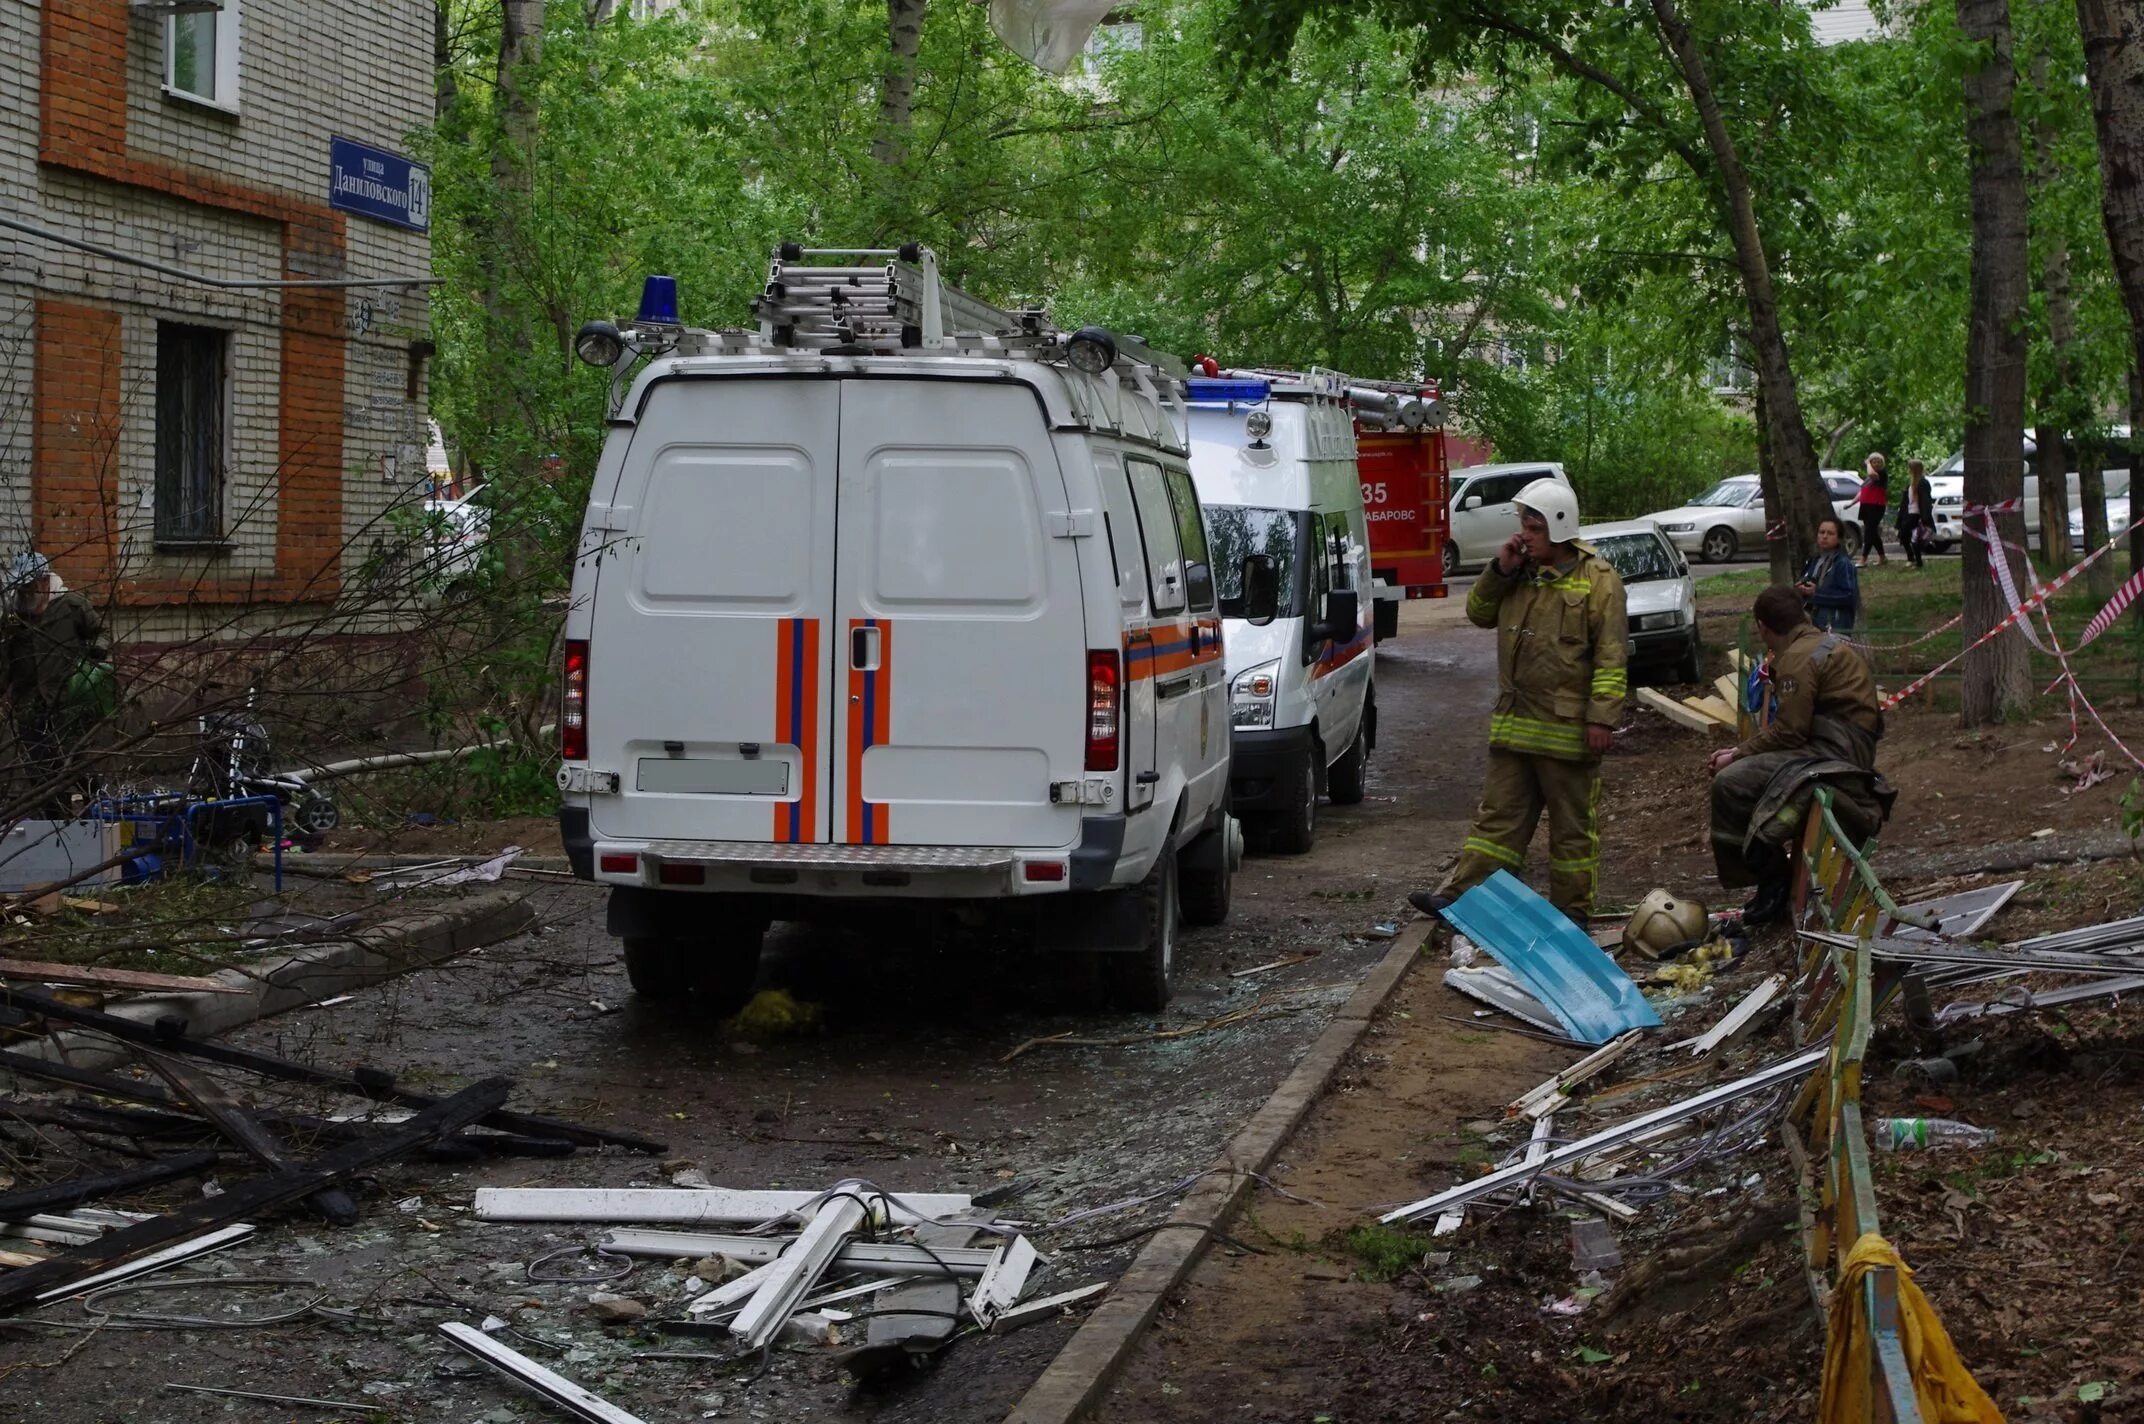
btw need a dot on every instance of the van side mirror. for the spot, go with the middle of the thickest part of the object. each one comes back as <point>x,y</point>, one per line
<point>1261,589</point>
<point>1342,620</point>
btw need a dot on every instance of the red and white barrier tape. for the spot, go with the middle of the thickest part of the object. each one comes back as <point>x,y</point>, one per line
<point>2123,597</point>
<point>1915,643</point>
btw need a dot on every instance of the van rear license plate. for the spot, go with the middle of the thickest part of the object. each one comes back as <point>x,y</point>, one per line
<point>714,776</point>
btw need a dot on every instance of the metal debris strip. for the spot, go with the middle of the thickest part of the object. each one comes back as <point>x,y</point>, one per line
<point>688,1206</point>
<point>522,1370</point>
<point>155,1261</point>
<point>889,1257</point>
<point>1785,1071</point>
<point>304,1401</point>
<point>1540,1101</point>
<point>1736,1019</point>
<point>1956,916</point>
<point>1971,956</point>
<point>1559,965</point>
<point>2020,1000</point>
<point>1047,1308</point>
<point>1495,986</point>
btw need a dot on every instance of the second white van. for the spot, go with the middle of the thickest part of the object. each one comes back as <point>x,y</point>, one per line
<point>1273,456</point>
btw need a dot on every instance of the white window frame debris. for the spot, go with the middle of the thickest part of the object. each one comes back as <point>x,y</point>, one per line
<point>1049,1307</point>
<point>893,1258</point>
<point>533,1377</point>
<point>1736,1019</point>
<point>999,1289</point>
<point>171,1255</point>
<point>1548,1097</point>
<point>689,1206</point>
<point>791,1275</point>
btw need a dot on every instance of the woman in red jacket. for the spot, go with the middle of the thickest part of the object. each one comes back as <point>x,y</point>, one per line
<point>1874,499</point>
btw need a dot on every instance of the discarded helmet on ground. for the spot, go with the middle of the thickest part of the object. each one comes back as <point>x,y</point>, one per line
<point>1555,503</point>
<point>1663,922</point>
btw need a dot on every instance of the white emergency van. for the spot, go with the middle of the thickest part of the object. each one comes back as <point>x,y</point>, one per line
<point>900,597</point>
<point>1273,455</point>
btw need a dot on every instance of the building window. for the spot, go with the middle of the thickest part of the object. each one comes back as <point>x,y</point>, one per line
<point>191,401</point>
<point>201,55</point>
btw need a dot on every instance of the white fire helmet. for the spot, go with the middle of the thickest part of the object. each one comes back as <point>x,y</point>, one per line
<point>1556,504</point>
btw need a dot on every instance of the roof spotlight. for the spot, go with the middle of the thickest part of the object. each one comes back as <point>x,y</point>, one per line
<point>599,343</point>
<point>1259,423</point>
<point>1092,350</point>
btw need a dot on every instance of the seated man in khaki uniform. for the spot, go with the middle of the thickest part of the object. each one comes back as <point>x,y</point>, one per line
<point>1825,729</point>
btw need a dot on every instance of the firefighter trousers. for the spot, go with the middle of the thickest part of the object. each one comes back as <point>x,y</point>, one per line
<point>1518,788</point>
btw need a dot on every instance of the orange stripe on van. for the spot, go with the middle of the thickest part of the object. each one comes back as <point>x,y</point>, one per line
<point>1165,648</point>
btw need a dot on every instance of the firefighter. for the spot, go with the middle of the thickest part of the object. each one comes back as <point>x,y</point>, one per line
<point>1824,729</point>
<point>1561,655</point>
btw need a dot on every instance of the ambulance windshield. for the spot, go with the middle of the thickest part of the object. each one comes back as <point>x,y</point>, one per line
<point>1236,530</point>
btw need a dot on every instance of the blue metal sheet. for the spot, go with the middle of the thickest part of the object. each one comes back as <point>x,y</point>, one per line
<point>1587,991</point>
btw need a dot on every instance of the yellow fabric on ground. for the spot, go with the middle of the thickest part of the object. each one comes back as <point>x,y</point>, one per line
<point>1947,1392</point>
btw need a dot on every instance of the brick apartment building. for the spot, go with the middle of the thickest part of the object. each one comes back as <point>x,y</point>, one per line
<point>203,457</point>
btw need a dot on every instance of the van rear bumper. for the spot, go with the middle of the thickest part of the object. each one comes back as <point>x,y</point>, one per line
<point>1266,769</point>
<point>826,869</point>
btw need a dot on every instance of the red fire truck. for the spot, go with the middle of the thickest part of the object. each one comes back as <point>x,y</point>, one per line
<point>1406,494</point>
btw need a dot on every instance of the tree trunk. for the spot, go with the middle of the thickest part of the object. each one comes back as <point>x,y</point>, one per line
<point>2061,405</point>
<point>444,89</point>
<point>1997,677</point>
<point>2092,502</point>
<point>897,86</point>
<point>513,157</point>
<point>1802,499</point>
<point>1776,551</point>
<point>2113,32</point>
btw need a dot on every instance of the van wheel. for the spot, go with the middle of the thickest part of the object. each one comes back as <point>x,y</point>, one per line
<point>1139,980</point>
<point>715,972</point>
<point>1207,874</point>
<point>1295,830</point>
<point>1346,778</point>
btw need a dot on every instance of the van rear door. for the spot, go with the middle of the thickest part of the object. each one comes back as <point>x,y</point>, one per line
<point>710,643</point>
<point>959,641</point>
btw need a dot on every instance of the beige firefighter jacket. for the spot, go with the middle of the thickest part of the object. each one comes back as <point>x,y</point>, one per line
<point>1562,652</point>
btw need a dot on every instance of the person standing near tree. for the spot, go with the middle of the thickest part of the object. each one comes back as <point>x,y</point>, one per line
<point>1829,585</point>
<point>1562,656</point>
<point>1874,501</point>
<point>1916,515</point>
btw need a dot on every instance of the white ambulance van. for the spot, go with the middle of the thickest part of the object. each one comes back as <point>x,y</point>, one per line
<point>1273,455</point>
<point>900,597</point>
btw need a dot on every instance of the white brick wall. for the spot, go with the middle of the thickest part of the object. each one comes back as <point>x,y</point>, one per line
<point>308,70</point>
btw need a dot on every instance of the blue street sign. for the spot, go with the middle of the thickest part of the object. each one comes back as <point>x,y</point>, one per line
<point>379,184</point>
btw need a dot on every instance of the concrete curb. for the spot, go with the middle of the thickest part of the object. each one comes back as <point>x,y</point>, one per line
<point>1090,1360</point>
<point>316,972</point>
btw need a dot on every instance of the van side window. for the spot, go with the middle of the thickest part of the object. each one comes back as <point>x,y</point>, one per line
<point>1191,537</point>
<point>1122,526</point>
<point>1340,552</point>
<point>1157,527</point>
<point>1321,563</point>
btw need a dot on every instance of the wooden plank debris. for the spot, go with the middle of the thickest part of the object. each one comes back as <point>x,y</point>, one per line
<point>256,1195</point>
<point>687,1206</point>
<point>169,1035</point>
<point>1291,960</point>
<point>63,1196</point>
<point>92,976</point>
<point>1674,711</point>
<point>215,1103</point>
<point>1714,710</point>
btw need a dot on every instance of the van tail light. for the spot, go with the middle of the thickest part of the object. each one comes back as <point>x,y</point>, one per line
<point>1105,709</point>
<point>573,711</point>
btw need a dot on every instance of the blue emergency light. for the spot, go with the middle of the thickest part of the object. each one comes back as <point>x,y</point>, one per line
<point>1227,390</point>
<point>658,302</point>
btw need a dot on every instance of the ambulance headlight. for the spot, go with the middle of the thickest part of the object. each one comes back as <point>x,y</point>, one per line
<point>599,343</point>
<point>1259,424</point>
<point>1251,695</point>
<point>1092,350</point>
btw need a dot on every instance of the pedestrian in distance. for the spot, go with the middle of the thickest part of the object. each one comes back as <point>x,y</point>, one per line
<point>1873,501</point>
<point>1917,515</point>
<point>1829,585</point>
<point>58,678</point>
<point>1824,728</point>
<point>1562,656</point>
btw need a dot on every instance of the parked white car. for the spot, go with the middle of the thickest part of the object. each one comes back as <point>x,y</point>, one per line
<point>1658,596</point>
<point>454,532</point>
<point>1727,521</point>
<point>2118,517</point>
<point>1274,460</point>
<point>1482,513</point>
<point>1947,485</point>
